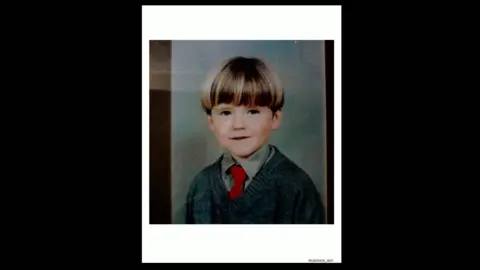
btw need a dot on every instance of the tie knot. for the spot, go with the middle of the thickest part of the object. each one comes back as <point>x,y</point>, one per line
<point>239,174</point>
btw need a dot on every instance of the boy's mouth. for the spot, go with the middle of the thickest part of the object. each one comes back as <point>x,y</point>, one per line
<point>239,138</point>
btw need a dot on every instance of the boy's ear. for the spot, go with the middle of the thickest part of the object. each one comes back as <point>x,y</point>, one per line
<point>277,118</point>
<point>210,123</point>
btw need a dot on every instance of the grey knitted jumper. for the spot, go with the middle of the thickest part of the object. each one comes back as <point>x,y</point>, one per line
<point>280,193</point>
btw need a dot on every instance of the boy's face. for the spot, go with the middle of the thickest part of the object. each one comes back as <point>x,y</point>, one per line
<point>243,130</point>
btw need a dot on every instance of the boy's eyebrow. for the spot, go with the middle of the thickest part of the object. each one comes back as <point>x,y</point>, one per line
<point>223,107</point>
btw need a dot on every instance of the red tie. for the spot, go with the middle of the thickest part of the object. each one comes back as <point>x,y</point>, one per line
<point>239,177</point>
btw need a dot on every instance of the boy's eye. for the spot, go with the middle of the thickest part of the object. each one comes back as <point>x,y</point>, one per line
<point>225,113</point>
<point>253,111</point>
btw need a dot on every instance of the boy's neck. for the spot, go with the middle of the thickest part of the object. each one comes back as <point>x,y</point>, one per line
<point>251,164</point>
<point>251,156</point>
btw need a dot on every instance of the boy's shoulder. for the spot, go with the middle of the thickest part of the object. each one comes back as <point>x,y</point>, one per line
<point>290,173</point>
<point>204,174</point>
<point>286,166</point>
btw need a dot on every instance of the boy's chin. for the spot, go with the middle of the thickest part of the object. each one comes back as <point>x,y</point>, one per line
<point>244,153</point>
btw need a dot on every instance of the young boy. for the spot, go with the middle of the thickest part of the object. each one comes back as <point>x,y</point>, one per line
<point>253,182</point>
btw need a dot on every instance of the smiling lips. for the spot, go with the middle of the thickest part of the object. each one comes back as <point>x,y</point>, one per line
<point>239,138</point>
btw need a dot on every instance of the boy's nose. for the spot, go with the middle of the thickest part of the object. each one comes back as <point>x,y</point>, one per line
<point>238,121</point>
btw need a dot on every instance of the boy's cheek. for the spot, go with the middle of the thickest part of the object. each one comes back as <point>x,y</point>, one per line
<point>221,131</point>
<point>223,128</point>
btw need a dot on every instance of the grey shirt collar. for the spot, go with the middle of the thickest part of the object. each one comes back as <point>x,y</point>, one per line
<point>251,165</point>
